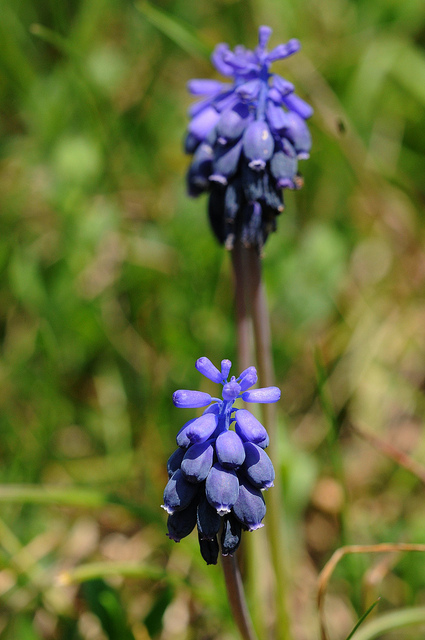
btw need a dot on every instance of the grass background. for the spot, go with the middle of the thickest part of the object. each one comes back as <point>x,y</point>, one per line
<point>112,285</point>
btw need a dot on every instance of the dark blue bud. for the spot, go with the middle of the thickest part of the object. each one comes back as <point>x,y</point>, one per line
<point>191,143</point>
<point>264,395</point>
<point>252,183</point>
<point>231,390</point>
<point>299,135</point>
<point>203,122</point>
<point>297,104</point>
<point>232,123</point>
<point>258,144</point>
<point>226,162</point>
<point>208,520</point>
<point>283,168</point>
<point>174,461</point>
<point>200,169</point>
<point>197,461</point>
<point>252,225</point>
<point>272,195</point>
<point>250,507</point>
<point>258,467</point>
<point>249,429</point>
<point>183,398</point>
<point>215,210</point>
<point>230,450</point>
<point>231,535</point>
<point>181,523</point>
<point>178,493</point>
<point>209,550</point>
<point>206,367</point>
<point>233,200</point>
<point>221,488</point>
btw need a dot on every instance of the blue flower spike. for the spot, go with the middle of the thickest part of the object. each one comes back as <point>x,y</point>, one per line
<point>246,137</point>
<point>219,470</point>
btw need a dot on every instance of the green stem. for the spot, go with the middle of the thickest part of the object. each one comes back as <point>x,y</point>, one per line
<point>275,519</point>
<point>236,596</point>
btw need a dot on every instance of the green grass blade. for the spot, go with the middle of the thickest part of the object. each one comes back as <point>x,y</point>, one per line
<point>180,33</point>
<point>364,616</point>
<point>390,622</point>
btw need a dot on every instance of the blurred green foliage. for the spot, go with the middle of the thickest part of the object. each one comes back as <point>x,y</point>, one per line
<point>112,285</point>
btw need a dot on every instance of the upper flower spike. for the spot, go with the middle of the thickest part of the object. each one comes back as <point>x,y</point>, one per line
<point>246,138</point>
<point>219,471</point>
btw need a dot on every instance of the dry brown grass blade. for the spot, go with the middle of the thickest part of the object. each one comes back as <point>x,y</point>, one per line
<point>392,452</point>
<point>328,569</point>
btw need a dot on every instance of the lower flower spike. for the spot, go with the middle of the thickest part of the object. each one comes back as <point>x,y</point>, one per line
<point>220,468</point>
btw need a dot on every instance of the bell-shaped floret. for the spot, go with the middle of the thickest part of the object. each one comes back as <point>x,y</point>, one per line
<point>181,523</point>
<point>258,467</point>
<point>200,429</point>
<point>232,122</point>
<point>178,493</point>
<point>209,549</point>
<point>250,507</point>
<point>208,520</point>
<point>258,144</point>
<point>186,399</point>
<point>197,429</point>
<point>298,133</point>
<point>203,122</point>
<point>265,395</point>
<point>231,535</point>
<point>200,169</point>
<point>225,163</point>
<point>174,461</point>
<point>221,488</point>
<point>206,367</point>
<point>197,461</point>
<point>249,429</point>
<point>276,117</point>
<point>283,166</point>
<point>230,450</point>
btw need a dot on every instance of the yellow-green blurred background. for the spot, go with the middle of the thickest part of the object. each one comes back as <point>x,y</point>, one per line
<point>112,285</point>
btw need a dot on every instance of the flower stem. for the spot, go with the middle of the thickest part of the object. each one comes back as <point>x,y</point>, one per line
<point>237,600</point>
<point>275,523</point>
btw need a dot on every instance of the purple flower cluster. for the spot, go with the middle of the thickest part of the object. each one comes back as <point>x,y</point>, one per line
<point>246,138</point>
<point>217,474</point>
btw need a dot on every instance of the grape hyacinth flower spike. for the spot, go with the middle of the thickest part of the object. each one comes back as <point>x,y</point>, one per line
<point>246,137</point>
<point>218,472</point>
